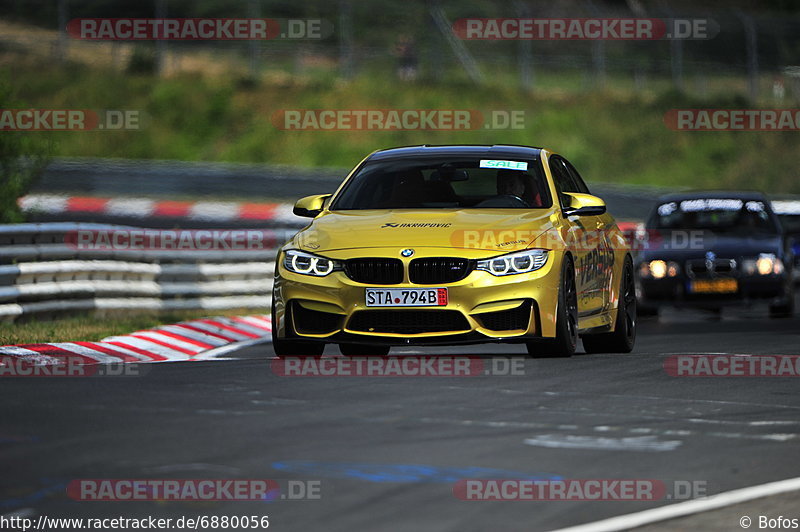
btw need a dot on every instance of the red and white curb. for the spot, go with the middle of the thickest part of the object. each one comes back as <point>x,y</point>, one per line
<point>215,211</point>
<point>203,339</point>
<point>630,225</point>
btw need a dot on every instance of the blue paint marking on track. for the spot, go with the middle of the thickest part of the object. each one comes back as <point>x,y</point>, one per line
<point>402,472</point>
<point>51,487</point>
<point>5,438</point>
<point>272,495</point>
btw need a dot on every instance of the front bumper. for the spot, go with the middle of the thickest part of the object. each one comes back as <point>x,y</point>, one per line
<point>480,307</point>
<point>676,291</point>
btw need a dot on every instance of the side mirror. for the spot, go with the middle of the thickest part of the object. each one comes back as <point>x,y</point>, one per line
<point>584,205</point>
<point>310,206</point>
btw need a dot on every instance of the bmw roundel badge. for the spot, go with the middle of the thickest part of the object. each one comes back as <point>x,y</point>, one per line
<point>407,252</point>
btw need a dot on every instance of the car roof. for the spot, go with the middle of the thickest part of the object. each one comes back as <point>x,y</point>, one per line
<point>425,150</point>
<point>714,194</point>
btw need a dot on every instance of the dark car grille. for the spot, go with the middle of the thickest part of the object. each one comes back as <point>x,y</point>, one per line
<point>439,270</point>
<point>718,266</point>
<point>375,271</point>
<point>408,321</point>
<point>507,320</point>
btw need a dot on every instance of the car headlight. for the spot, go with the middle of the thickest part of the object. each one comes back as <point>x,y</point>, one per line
<point>673,269</point>
<point>514,263</point>
<point>658,269</point>
<point>765,264</point>
<point>308,264</point>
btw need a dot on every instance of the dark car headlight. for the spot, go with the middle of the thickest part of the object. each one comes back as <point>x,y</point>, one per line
<point>765,264</point>
<point>658,269</point>
<point>514,263</point>
<point>309,264</point>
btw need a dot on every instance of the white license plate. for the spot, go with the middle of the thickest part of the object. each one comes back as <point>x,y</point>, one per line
<point>406,297</point>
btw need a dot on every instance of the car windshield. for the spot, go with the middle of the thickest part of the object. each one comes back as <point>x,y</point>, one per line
<point>714,214</point>
<point>437,183</point>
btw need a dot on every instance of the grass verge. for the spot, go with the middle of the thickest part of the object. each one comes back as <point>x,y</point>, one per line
<point>610,136</point>
<point>88,328</point>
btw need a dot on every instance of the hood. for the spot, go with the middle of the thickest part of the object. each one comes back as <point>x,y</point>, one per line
<point>485,229</point>
<point>684,245</point>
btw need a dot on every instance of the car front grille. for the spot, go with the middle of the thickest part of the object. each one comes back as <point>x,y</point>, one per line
<point>507,320</point>
<point>375,270</point>
<point>700,267</point>
<point>385,271</point>
<point>408,321</point>
<point>439,270</point>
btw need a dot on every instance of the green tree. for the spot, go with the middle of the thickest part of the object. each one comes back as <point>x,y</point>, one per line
<point>23,156</point>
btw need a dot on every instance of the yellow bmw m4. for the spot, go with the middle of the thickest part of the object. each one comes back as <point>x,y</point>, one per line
<point>445,245</point>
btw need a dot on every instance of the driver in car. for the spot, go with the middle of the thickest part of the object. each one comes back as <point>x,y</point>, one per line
<point>512,183</point>
<point>509,182</point>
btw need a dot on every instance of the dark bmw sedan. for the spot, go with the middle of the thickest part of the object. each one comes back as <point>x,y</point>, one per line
<point>713,249</point>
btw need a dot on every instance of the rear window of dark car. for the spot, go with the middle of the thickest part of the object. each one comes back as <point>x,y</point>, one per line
<point>715,214</point>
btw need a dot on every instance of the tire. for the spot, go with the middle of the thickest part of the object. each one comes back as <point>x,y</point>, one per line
<point>363,350</point>
<point>623,338</point>
<point>293,348</point>
<point>786,309</point>
<point>566,340</point>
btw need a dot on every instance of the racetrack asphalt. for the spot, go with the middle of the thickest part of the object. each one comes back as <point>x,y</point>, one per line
<point>387,451</point>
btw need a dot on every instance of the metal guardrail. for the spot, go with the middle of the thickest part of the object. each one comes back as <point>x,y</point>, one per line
<point>42,274</point>
<point>171,179</point>
<point>116,178</point>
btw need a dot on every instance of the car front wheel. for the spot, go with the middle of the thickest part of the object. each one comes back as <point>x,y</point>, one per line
<point>623,338</point>
<point>563,345</point>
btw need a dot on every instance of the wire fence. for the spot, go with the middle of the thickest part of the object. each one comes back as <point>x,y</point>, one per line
<point>753,53</point>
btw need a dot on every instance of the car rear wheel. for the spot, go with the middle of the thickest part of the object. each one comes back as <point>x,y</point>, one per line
<point>623,338</point>
<point>563,345</point>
